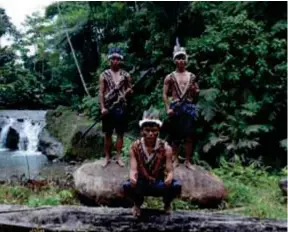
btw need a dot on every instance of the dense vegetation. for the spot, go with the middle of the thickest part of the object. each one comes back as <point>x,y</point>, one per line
<point>238,50</point>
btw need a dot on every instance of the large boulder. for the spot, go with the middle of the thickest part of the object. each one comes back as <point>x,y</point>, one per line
<point>68,127</point>
<point>96,185</point>
<point>50,146</point>
<point>80,218</point>
<point>12,139</point>
<point>200,186</point>
<point>102,186</point>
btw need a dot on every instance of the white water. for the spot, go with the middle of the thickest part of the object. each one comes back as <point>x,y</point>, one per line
<point>27,159</point>
<point>28,125</point>
<point>29,135</point>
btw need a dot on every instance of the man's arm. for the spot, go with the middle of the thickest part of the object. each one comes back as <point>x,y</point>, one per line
<point>133,167</point>
<point>165,92</point>
<point>196,91</point>
<point>196,88</point>
<point>169,165</point>
<point>101,92</point>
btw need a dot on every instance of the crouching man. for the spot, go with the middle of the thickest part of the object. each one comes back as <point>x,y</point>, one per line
<point>151,168</point>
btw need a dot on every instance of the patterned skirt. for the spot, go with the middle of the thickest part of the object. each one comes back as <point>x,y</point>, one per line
<point>182,123</point>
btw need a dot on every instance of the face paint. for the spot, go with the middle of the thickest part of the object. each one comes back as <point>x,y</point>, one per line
<point>115,61</point>
<point>180,61</point>
<point>150,133</point>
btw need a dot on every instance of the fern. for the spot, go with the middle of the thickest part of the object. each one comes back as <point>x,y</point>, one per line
<point>251,129</point>
<point>207,103</point>
<point>213,141</point>
<point>245,143</point>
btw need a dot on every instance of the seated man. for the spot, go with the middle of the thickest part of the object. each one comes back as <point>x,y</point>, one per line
<point>151,168</point>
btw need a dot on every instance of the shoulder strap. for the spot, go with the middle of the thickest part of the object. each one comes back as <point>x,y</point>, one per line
<point>192,78</point>
<point>108,78</point>
<point>135,145</point>
<point>175,83</point>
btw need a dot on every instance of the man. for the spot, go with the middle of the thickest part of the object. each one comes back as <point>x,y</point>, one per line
<point>115,84</point>
<point>181,111</point>
<point>151,168</point>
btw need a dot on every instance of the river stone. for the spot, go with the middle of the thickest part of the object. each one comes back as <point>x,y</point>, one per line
<point>50,146</point>
<point>12,139</point>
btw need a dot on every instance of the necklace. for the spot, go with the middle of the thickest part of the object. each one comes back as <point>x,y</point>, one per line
<point>148,155</point>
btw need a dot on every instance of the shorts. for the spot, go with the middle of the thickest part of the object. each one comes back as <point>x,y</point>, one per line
<point>156,189</point>
<point>180,125</point>
<point>116,119</point>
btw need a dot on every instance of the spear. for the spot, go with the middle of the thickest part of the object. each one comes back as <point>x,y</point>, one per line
<point>116,102</point>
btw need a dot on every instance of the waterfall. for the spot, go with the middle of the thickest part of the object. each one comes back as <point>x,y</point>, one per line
<point>29,135</point>
<point>26,124</point>
<point>19,142</point>
<point>4,132</point>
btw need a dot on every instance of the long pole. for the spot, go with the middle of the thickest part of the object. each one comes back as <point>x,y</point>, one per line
<point>72,50</point>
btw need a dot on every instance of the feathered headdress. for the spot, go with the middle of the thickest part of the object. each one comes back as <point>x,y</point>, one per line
<point>150,116</point>
<point>115,52</point>
<point>178,50</point>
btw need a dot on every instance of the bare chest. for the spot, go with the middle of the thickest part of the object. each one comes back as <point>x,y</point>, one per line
<point>116,77</point>
<point>182,80</point>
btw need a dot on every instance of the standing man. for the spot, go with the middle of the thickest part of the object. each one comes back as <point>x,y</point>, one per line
<point>151,168</point>
<point>115,84</point>
<point>181,111</point>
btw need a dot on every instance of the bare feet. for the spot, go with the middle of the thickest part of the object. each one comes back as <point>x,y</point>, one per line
<point>120,162</point>
<point>189,165</point>
<point>105,162</point>
<point>136,211</point>
<point>167,209</point>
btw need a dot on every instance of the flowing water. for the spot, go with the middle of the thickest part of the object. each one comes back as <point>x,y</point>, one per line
<point>26,161</point>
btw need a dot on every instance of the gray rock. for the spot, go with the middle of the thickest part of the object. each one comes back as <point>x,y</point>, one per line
<point>102,186</point>
<point>80,218</point>
<point>69,128</point>
<point>12,139</point>
<point>50,146</point>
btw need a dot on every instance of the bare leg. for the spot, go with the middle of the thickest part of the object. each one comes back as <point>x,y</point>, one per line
<point>167,208</point>
<point>107,149</point>
<point>188,152</point>
<point>170,193</point>
<point>119,146</point>
<point>175,156</point>
<point>136,210</point>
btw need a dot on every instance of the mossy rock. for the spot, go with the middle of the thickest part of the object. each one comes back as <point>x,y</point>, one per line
<point>68,127</point>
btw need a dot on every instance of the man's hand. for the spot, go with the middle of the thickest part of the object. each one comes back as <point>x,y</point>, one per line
<point>170,112</point>
<point>195,88</point>
<point>133,181</point>
<point>129,90</point>
<point>168,181</point>
<point>151,180</point>
<point>104,111</point>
